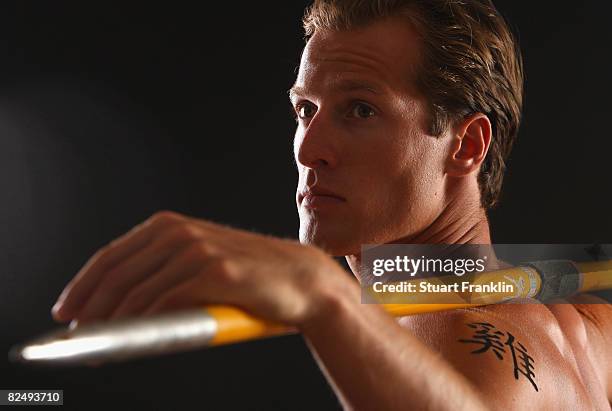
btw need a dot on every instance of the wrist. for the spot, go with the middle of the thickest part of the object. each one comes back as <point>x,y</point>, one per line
<point>333,294</point>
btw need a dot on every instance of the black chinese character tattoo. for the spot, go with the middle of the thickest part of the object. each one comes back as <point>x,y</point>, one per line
<point>524,363</point>
<point>485,336</point>
<point>490,339</point>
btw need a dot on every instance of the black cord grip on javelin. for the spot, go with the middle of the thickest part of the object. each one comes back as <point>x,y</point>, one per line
<point>560,279</point>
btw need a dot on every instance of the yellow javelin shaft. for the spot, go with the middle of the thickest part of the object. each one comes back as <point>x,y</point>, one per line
<point>236,325</point>
<point>217,325</point>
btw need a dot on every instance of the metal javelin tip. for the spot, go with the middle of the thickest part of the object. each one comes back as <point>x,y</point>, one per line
<point>113,341</point>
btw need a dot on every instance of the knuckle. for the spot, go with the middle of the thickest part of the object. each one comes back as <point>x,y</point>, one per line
<point>199,250</point>
<point>223,271</point>
<point>165,217</point>
<point>185,232</point>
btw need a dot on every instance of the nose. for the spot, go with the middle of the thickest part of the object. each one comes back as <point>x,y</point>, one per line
<point>314,144</point>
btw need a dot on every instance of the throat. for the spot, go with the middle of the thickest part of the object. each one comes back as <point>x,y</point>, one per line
<point>457,224</point>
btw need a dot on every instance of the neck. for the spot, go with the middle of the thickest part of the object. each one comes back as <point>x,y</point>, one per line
<point>462,221</point>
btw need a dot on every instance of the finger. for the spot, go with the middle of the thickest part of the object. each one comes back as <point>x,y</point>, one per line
<point>184,295</point>
<point>211,285</point>
<point>177,270</point>
<point>119,282</point>
<point>82,286</point>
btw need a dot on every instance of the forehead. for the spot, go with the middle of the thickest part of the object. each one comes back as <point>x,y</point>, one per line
<point>384,54</point>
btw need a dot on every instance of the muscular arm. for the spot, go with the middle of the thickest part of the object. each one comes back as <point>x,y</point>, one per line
<point>172,262</point>
<point>374,364</point>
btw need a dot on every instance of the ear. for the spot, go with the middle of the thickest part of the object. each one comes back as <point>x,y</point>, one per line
<point>470,145</point>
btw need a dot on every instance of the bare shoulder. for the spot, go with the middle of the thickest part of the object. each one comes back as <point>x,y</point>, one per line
<point>517,355</point>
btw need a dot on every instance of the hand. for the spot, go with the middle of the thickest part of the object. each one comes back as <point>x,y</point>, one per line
<point>172,262</point>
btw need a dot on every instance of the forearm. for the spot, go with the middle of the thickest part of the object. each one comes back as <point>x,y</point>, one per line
<point>374,364</point>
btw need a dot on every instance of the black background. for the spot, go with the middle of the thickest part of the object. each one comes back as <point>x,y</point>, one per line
<point>111,112</point>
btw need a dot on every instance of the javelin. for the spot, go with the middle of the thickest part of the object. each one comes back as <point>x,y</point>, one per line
<point>210,326</point>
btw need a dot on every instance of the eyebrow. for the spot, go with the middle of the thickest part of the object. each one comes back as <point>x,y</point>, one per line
<point>339,86</point>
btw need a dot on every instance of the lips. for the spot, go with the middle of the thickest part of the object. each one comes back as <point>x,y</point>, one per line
<point>319,197</point>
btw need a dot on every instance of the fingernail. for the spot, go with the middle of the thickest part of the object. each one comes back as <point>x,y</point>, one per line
<point>73,324</point>
<point>57,309</point>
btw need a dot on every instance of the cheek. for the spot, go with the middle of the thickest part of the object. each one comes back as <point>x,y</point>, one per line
<point>422,168</point>
<point>404,178</point>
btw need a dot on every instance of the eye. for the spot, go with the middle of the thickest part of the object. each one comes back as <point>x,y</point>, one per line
<point>305,110</point>
<point>362,110</point>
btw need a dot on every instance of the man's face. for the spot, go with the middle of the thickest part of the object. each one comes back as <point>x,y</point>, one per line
<point>369,172</point>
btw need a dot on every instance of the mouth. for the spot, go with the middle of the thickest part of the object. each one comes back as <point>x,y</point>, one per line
<point>318,198</point>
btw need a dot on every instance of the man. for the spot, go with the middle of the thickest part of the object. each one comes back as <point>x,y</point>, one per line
<point>406,112</point>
